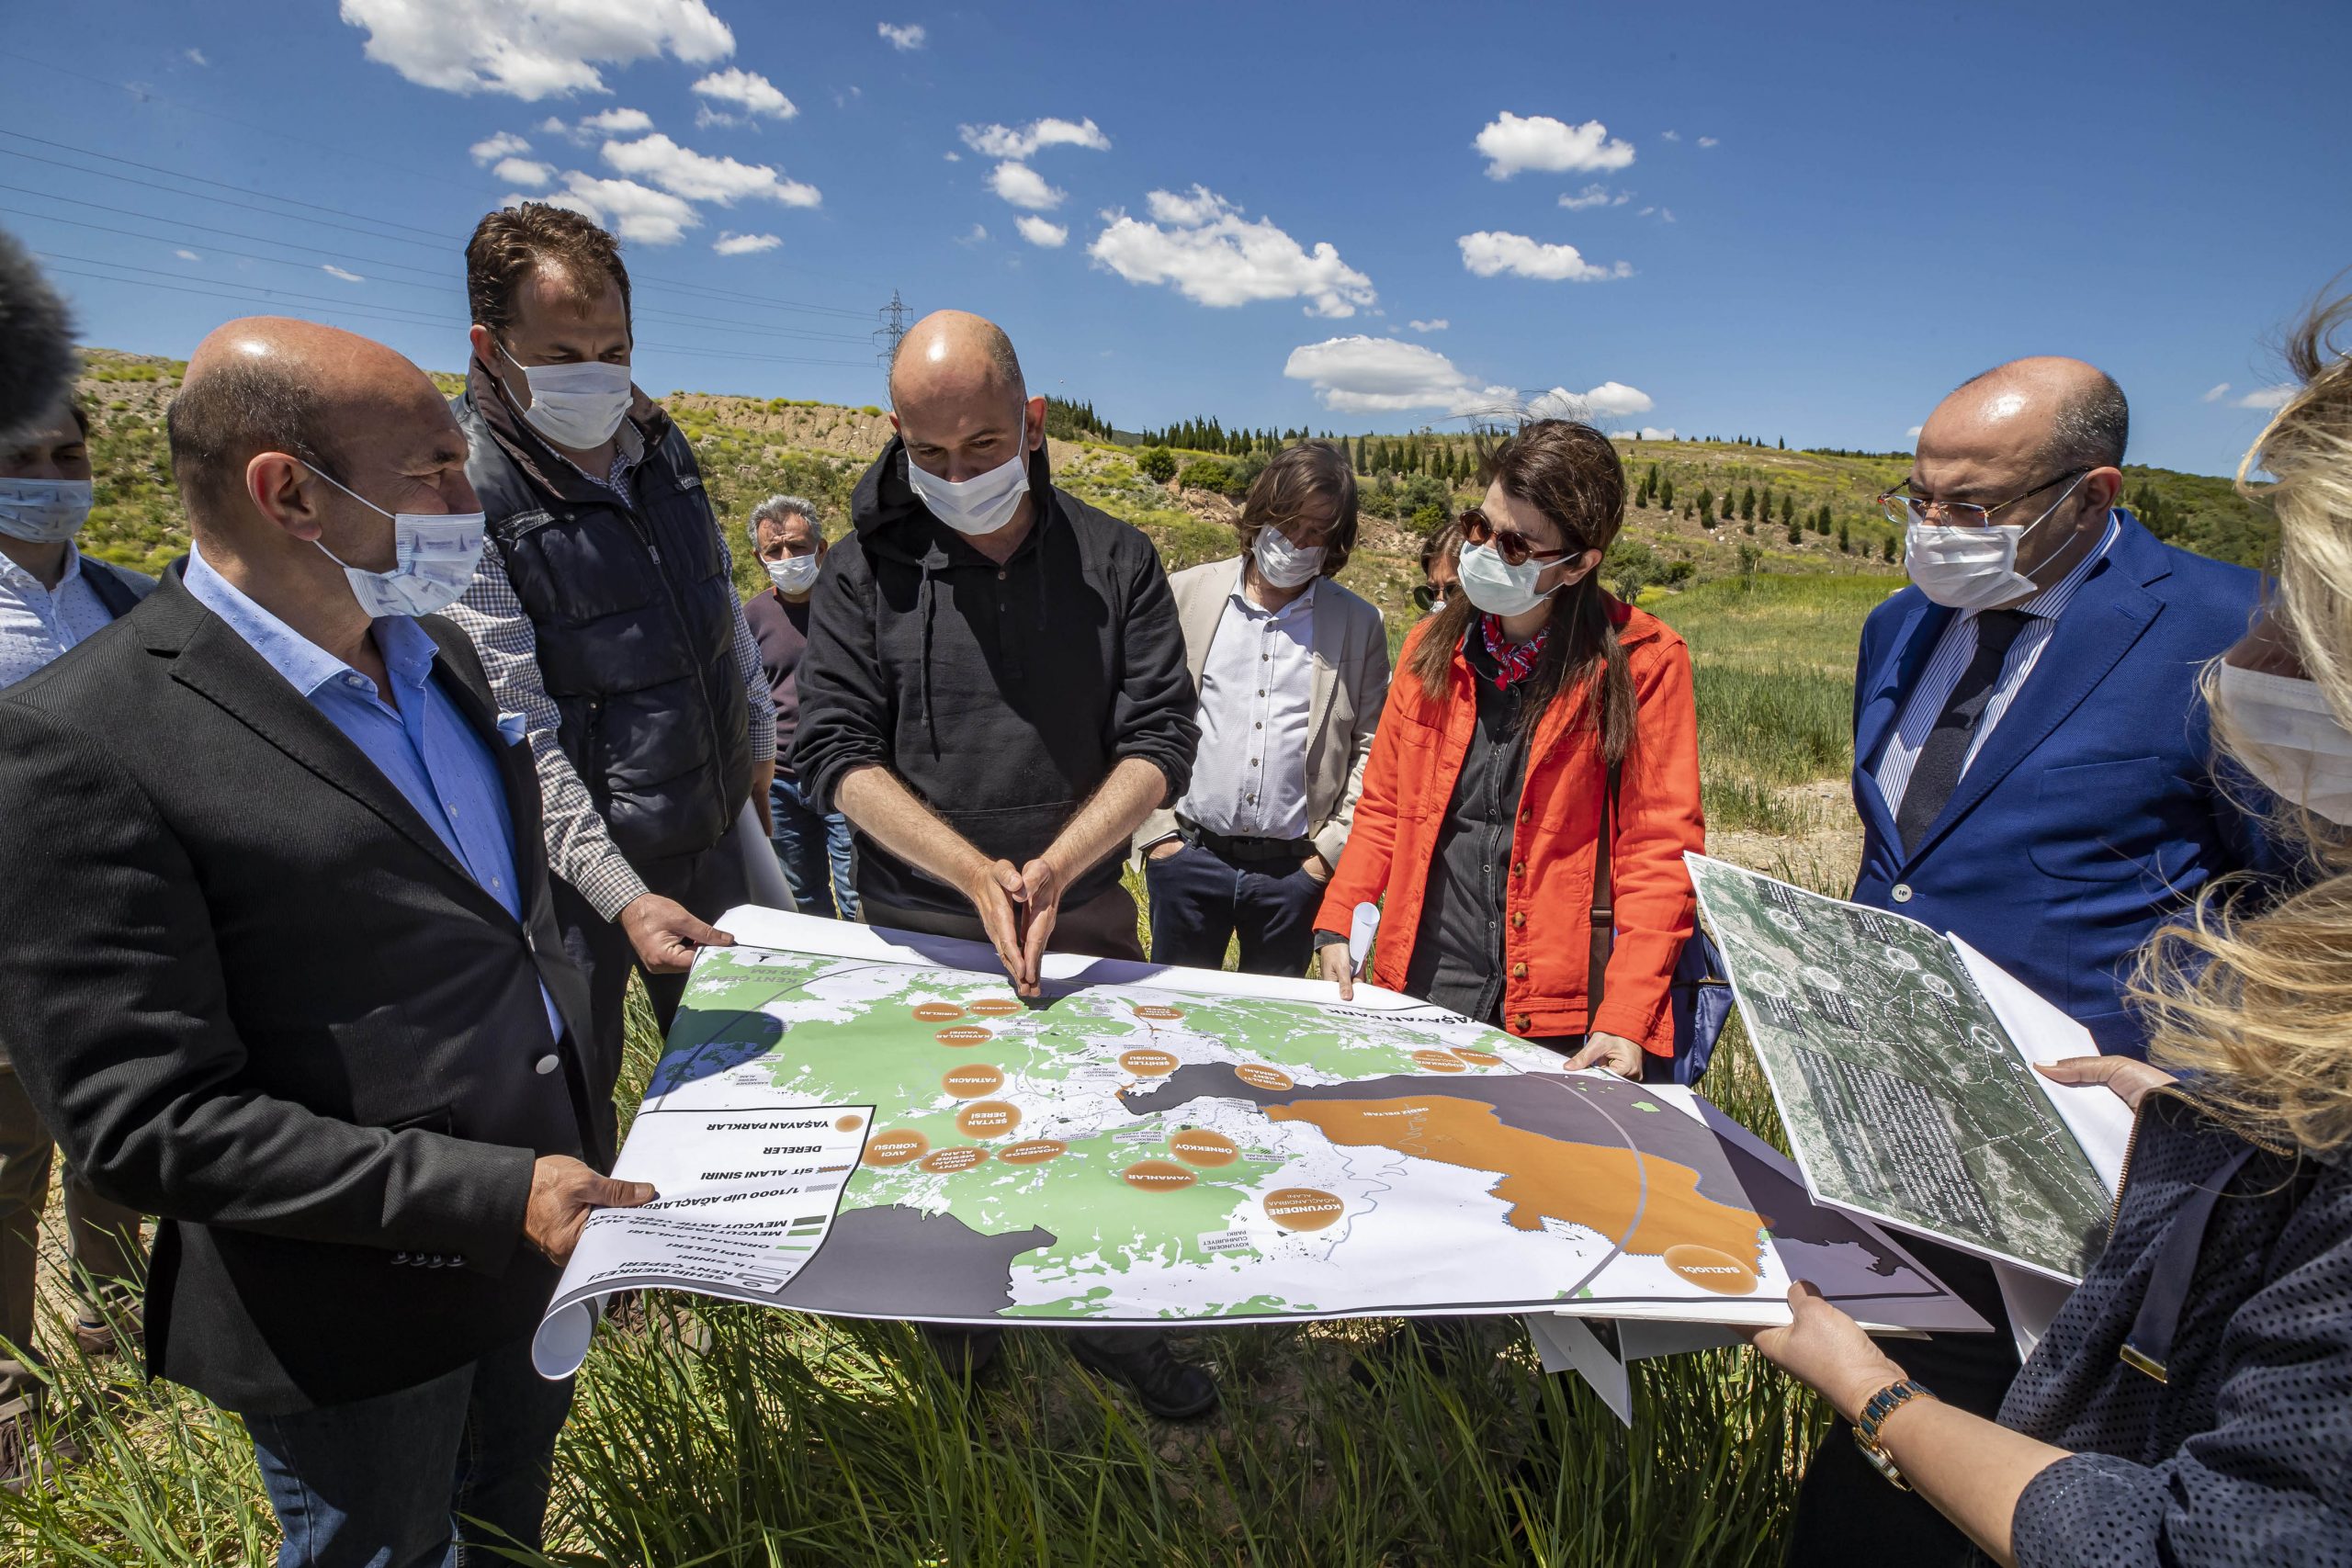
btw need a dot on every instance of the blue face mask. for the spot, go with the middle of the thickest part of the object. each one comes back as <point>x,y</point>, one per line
<point>434,560</point>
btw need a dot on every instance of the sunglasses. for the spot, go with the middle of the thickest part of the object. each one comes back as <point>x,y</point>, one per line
<point>1478,529</point>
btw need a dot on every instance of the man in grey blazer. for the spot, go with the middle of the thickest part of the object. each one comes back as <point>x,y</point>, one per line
<point>1292,669</point>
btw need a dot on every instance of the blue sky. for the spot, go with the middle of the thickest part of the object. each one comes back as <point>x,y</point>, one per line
<point>1800,221</point>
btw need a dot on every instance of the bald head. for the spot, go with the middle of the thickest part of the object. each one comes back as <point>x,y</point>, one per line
<point>954,354</point>
<point>957,397</point>
<point>2045,413</point>
<point>334,399</point>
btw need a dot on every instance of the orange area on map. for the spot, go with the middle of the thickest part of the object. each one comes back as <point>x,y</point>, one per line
<point>997,1007</point>
<point>1581,1184</point>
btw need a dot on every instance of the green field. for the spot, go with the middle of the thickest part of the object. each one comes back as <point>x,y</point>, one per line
<point>721,1434</point>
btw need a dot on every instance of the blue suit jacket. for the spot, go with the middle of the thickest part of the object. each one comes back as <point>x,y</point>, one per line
<point>2092,814</point>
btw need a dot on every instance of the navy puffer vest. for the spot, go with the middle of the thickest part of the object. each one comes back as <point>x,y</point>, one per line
<point>635,618</point>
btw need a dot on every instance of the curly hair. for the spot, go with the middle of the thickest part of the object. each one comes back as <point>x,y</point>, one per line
<point>2256,1007</point>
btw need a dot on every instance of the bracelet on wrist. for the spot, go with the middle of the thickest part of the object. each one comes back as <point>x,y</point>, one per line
<point>1873,1414</point>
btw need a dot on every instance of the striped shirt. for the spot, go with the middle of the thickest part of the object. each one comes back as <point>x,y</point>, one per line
<point>579,848</point>
<point>1952,657</point>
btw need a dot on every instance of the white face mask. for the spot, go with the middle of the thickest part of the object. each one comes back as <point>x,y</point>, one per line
<point>794,575</point>
<point>576,406</point>
<point>1497,587</point>
<point>1972,568</point>
<point>43,511</point>
<point>1283,564</point>
<point>433,557</point>
<point>980,504</point>
<point>2288,737</point>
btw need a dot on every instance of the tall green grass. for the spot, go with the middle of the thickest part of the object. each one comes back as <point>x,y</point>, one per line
<point>1772,659</point>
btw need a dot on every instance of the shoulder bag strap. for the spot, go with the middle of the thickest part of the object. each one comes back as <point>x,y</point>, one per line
<point>1604,903</point>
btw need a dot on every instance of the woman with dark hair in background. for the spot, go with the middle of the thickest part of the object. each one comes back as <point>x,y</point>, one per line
<point>1441,568</point>
<point>1487,822</point>
<point>2191,1403</point>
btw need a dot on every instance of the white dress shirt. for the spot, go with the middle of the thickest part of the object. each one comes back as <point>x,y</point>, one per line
<point>1257,687</point>
<point>1952,657</point>
<point>37,624</point>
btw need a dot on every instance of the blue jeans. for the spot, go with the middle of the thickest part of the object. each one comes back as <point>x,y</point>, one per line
<point>378,1483</point>
<point>813,850</point>
<point>1199,901</point>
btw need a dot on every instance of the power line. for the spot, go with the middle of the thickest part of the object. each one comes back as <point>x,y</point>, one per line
<point>893,327</point>
<point>224,201</point>
<point>198,179</point>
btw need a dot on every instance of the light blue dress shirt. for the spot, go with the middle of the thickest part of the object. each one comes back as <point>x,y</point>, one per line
<point>425,748</point>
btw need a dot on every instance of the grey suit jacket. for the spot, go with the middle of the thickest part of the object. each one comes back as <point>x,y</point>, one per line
<point>1350,656</point>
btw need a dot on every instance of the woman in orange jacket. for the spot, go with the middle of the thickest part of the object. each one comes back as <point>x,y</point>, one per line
<point>1486,790</point>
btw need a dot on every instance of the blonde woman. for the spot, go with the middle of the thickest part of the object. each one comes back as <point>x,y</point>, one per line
<point>2192,1403</point>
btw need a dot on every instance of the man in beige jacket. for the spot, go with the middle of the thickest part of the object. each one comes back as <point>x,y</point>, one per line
<point>1292,669</point>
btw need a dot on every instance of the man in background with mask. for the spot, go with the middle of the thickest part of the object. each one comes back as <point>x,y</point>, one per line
<point>606,614</point>
<point>51,597</point>
<point>2034,773</point>
<point>812,847</point>
<point>994,694</point>
<point>278,963</point>
<point>1292,669</point>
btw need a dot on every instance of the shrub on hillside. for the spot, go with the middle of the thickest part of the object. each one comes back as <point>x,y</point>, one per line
<point>1158,463</point>
<point>1210,474</point>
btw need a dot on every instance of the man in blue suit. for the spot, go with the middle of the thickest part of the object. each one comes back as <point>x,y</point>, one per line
<point>2034,772</point>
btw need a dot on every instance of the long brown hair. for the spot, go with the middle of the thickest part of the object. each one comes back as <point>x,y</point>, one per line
<point>1570,473</point>
<point>1310,475</point>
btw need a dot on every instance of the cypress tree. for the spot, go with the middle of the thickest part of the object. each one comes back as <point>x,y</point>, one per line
<point>1888,553</point>
<point>1845,539</point>
<point>1747,502</point>
<point>1796,534</point>
<point>1666,494</point>
<point>1706,509</point>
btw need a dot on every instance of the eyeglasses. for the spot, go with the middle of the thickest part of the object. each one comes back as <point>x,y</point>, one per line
<point>1478,529</point>
<point>1904,510</point>
<point>1429,598</point>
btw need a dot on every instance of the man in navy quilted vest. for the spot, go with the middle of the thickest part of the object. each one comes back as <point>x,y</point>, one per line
<point>605,615</point>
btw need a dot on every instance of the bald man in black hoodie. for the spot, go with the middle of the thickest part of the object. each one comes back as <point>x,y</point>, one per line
<point>995,696</point>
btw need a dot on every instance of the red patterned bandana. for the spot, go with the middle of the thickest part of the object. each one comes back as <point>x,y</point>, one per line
<point>1513,661</point>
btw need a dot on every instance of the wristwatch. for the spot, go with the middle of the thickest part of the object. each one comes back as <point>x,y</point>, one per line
<point>1880,1406</point>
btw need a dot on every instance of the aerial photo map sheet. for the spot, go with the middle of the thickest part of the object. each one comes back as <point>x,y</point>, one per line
<point>1904,1095</point>
<point>843,1124</point>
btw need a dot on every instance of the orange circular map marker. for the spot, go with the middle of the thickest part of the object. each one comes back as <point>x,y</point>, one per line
<point>937,1013</point>
<point>946,1162</point>
<point>1147,1061</point>
<point>1035,1151</point>
<point>1439,1061</point>
<point>964,1034</point>
<point>1303,1208</point>
<point>1478,1058</point>
<point>1257,1075</point>
<point>1712,1271</point>
<point>1198,1146</point>
<point>1161,1014</point>
<point>1158,1176</point>
<point>970,1081</point>
<point>848,1124</point>
<point>895,1148</point>
<point>988,1118</point>
<point>997,1007</point>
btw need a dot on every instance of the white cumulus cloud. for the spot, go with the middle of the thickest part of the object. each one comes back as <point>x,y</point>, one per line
<point>976,234</point>
<point>1708,141</point>
<point>748,91</point>
<point>187,255</point>
<point>1611,400</point>
<point>697,176</point>
<point>505,144</point>
<point>1025,186</point>
<point>1023,142</point>
<point>1594,196</point>
<point>195,56</point>
<point>1669,136</point>
<point>903,35</point>
<point>1489,252</point>
<point>633,211</point>
<point>728,245</point>
<point>1200,244</point>
<point>1646,432</point>
<point>2215,393</point>
<point>2265,398</point>
<point>333,271</point>
<point>610,122</point>
<point>1434,324</point>
<point>532,49</point>
<point>523,171</point>
<point>1382,374</point>
<point>1913,433</point>
<point>1514,143</point>
<point>1037,232</point>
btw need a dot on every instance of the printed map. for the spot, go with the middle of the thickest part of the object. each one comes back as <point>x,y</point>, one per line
<point>871,1136</point>
<point>1903,1095</point>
